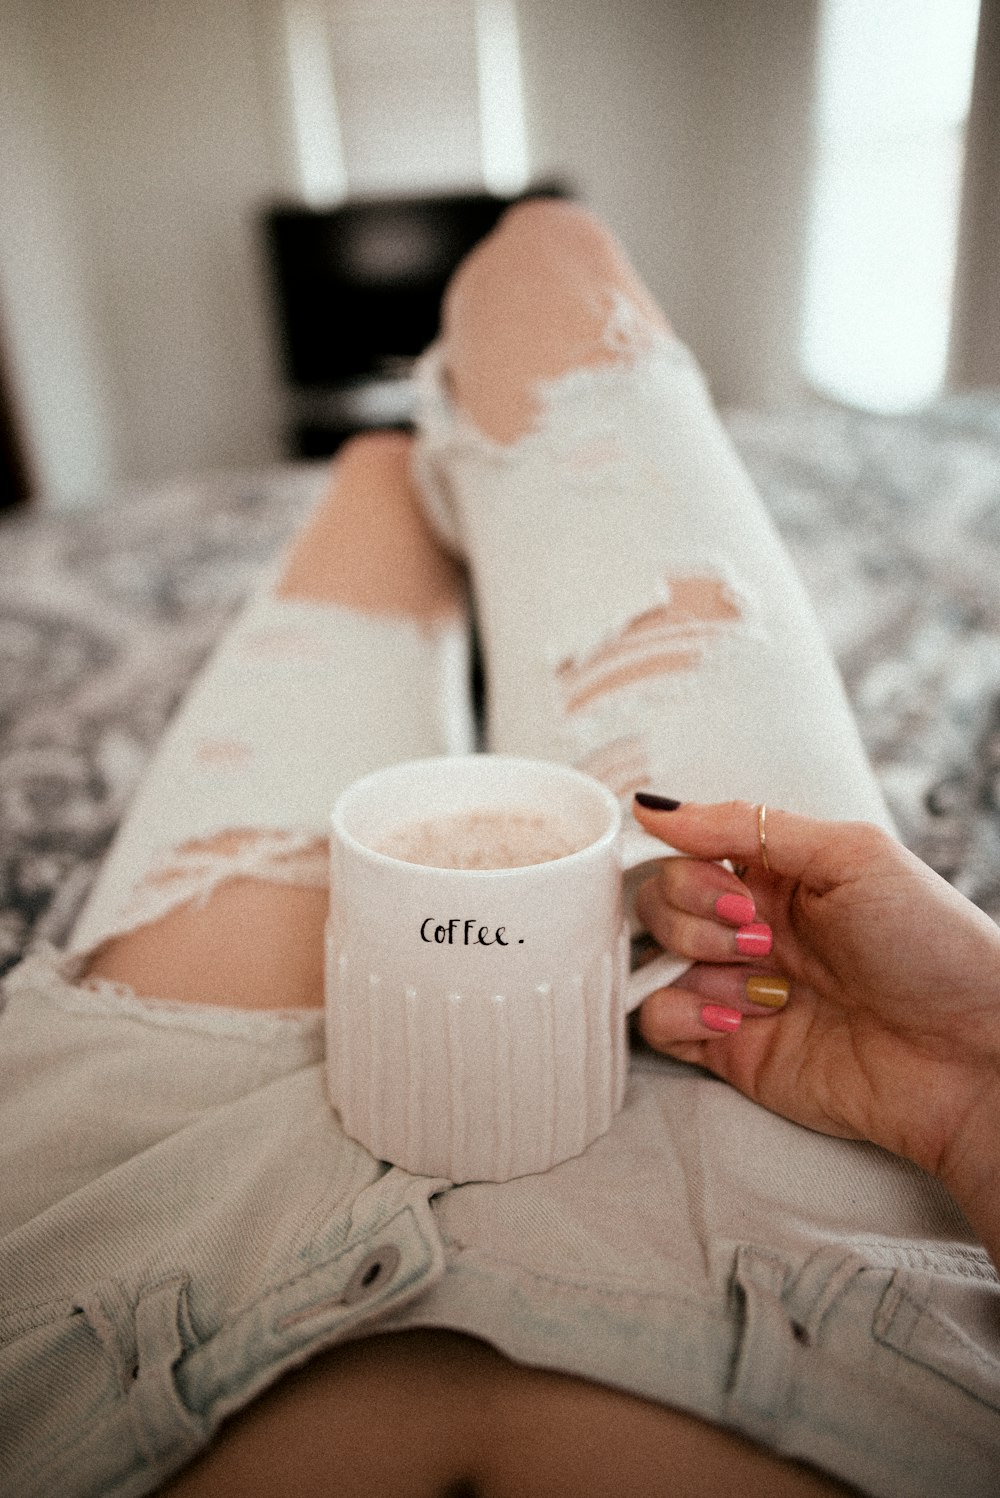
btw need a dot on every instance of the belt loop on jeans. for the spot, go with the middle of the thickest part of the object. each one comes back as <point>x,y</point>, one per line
<point>166,1430</point>
<point>760,1382</point>
<point>818,1286</point>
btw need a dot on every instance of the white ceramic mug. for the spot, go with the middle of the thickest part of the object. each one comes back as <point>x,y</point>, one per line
<point>476,1018</point>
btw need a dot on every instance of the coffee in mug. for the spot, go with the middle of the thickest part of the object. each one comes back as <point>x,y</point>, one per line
<point>482,838</point>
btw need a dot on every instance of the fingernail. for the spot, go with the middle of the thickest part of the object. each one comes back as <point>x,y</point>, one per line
<point>771,992</point>
<point>754,940</point>
<point>656,803</point>
<point>736,908</point>
<point>718,1017</point>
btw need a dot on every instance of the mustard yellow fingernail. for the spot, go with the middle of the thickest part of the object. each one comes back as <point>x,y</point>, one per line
<point>771,992</point>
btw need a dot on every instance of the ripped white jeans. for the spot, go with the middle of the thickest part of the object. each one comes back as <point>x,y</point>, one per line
<point>641,616</point>
<point>298,700</point>
<point>640,619</point>
<point>181,1216</point>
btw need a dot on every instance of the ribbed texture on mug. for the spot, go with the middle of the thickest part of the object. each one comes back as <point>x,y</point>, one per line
<point>476,1086</point>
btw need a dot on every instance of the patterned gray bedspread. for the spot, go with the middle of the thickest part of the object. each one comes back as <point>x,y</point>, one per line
<point>106,613</point>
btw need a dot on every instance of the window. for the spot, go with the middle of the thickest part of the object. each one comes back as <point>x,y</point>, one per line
<point>894,82</point>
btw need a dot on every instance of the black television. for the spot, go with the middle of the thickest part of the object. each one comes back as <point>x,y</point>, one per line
<point>357,291</point>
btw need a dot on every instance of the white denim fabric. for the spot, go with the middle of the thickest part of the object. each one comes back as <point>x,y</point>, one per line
<point>183,1220</point>
<point>299,699</point>
<point>580,537</point>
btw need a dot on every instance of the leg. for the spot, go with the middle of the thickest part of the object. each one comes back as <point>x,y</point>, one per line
<point>356,660</point>
<point>639,612</point>
<point>538,1419</point>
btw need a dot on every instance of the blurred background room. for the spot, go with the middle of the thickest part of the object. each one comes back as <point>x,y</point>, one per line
<point>224,230</point>
<point>787,175</point>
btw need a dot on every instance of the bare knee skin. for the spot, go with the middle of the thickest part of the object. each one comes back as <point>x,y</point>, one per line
<point>368,546</point>
<point>257,944</point>
<point>531,301</point>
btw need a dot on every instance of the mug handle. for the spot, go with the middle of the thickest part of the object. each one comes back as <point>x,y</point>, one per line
<point>638,846</point>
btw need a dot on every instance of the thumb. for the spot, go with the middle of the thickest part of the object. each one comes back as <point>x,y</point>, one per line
<point>735,830</point>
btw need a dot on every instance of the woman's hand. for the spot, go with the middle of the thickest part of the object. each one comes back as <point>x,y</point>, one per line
<point>891,1030</point>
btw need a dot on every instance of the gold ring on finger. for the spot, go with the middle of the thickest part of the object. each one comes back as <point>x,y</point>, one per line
<point>762,834</point>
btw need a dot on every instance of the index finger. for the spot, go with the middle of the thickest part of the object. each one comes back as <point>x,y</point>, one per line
<point>730,829</point>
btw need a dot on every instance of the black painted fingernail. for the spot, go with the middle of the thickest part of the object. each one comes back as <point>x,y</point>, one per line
<point>656,803</point>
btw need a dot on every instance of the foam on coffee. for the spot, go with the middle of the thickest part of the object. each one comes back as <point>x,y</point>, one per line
<point>482,839</point>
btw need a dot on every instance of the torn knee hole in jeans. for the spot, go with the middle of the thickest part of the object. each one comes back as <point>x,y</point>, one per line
<point>630,330</point>
<point>190,873</point>
<point>675,635</point>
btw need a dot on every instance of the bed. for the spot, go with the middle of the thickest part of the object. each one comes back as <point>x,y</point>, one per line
<point>107,611</point>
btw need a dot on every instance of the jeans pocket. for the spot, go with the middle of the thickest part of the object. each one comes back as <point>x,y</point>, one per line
<point>908,1322</point>
<point>55,1380</point>
<point>88,1396</point>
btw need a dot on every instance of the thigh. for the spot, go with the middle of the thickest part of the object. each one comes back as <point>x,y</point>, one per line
<point>367,552</point>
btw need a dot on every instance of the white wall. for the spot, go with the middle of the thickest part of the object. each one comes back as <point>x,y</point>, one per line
<point>975,350</point>
<point>48,332</point>
<point>608,96</point>
<point>759,63</point>
<point>144,138</point>
<point>687,123</point>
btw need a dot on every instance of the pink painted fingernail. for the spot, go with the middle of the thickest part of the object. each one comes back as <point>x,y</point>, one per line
<point>718,1017</point>
<point>754,940</point>
<point>736,908</point>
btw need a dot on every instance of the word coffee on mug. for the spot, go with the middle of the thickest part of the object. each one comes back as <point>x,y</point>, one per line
<point>477,963</point>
